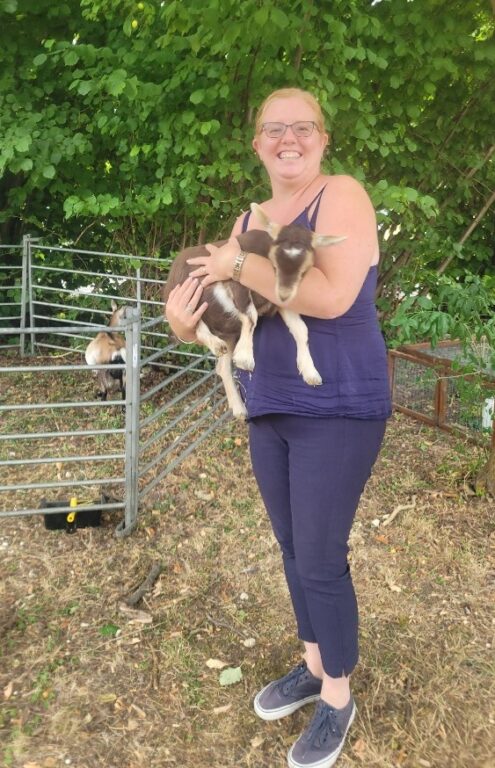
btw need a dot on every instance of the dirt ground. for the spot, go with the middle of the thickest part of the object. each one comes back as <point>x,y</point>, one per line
<point>86,682</point>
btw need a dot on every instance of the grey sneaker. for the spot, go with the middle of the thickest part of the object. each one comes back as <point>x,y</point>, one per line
<point>282,697</point>
<point>321,743</point>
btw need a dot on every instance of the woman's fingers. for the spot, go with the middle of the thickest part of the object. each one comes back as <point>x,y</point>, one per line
<point>182,305</point>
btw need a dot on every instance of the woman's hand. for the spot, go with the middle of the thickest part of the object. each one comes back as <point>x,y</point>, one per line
<point>219,265</point>
<point>183,310</point>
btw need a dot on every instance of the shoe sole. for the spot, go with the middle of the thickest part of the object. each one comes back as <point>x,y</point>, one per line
<point>327,762</point>
<point>288,709</point>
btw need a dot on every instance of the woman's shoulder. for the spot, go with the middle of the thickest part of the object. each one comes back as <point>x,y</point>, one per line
<point>344,190</point>
<point>344,182</point>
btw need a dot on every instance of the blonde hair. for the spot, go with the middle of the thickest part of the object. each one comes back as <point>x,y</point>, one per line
<point>287,93</point>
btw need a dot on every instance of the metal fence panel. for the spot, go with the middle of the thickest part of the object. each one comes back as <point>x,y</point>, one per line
<point>112,453</point>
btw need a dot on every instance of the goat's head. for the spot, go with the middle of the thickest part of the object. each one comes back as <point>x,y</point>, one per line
<point>118,314</point>
<point>292,252</point>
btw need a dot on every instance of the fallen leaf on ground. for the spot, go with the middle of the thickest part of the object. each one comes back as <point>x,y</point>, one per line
<point>359,749</point>
<point>257,741</point>
<point>202,496</point>
<point>221,710</point>
<point>107,698</point>
<point>230,676</point>
<point>8,690</point>
<point>393,587</point>
<point>216,664</point>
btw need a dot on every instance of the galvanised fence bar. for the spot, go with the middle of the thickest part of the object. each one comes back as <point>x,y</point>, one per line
<point>56,437</point>
<point>13,286</point>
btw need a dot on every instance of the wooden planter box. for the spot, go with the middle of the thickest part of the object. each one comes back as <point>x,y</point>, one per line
<point>425,386</point>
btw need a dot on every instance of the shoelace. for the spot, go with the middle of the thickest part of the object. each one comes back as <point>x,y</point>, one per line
<point>323,726</point>
<point>292,678</point>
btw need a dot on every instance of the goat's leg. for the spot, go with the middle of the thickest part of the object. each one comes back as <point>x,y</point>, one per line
<point>243,352</point>
<point>299,331</point>
<point>224,370</point>
<point>206,337</point>
<point>102,382</point>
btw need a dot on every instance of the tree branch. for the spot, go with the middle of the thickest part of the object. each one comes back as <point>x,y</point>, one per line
<point>441,269</point>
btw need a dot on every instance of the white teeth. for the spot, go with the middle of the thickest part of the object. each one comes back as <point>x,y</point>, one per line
<point>289,154</point>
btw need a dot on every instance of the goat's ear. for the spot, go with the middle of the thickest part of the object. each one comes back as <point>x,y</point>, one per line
<point>114,305</point>
<point>270,226</point>
<point>322,240</point>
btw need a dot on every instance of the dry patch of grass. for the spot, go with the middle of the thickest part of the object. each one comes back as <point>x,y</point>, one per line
<point>84,684</point>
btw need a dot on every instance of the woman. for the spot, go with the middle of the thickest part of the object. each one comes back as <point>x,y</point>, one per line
<point>312,449</point>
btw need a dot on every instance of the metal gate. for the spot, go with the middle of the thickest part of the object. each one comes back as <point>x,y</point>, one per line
<point>71,447</point>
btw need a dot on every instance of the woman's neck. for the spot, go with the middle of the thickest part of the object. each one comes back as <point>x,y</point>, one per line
<point>288,200</point>
<point>287,192</point>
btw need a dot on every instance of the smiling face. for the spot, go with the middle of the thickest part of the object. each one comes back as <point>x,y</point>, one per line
<point>290,157</point>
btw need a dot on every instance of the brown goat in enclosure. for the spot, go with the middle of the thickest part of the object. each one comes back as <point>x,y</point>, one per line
<point>228,324</point>
<point>108,348</point>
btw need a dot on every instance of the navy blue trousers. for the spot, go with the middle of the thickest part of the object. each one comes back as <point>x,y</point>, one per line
<point>311,473</point>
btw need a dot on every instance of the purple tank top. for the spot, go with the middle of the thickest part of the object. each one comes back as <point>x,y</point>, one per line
<point>348,351</point>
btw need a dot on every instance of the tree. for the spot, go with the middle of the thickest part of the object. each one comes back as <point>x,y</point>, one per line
<point>129,122</point>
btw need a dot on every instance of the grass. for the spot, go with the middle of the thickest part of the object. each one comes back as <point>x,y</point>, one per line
<point>84,684</point>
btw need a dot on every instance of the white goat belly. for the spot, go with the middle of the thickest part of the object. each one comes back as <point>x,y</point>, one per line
<point>225,301</point>
<point>90,357</point>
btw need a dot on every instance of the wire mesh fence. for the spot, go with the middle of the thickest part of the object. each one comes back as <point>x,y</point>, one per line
<point>426,385</point>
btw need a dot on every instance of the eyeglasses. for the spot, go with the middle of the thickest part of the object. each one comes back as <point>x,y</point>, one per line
<point>302,129</point>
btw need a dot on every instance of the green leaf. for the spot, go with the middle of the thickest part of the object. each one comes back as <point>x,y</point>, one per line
<point>22,143</point>
<point>108,630</point>
<point>279,18</point>
<point>197,97</point>
<point>71,58</point>
<point>230,676</point>
<point>261,15</point>
<point>84,87</point>
<point>40,59</point>
<point>49,171</point>
<point>116,82</point>
<point>354,93</point>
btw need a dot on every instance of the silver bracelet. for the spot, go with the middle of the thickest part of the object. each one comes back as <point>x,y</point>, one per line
<point>239,261</point>
<point>182,341</point>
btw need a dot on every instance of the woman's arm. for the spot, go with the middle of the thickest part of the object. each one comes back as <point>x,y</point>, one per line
<point>330,288</point>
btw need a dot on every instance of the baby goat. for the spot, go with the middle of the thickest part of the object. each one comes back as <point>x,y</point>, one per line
<point>108,348</point>
<point>228,324</point>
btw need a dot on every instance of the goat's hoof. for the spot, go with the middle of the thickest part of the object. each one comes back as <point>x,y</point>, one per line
<point>313,379</point>
<point>240,414</point>
<point>245,363</point>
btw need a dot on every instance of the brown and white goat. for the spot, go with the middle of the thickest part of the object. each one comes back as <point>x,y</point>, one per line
<point>228,324</point>
<point>108,348</point>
